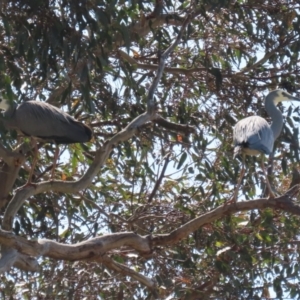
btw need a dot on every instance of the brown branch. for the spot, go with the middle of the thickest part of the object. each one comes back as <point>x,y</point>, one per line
<point>145,28</point>
<point>267,56</point>
<point>10,171</point>
<point>115,122</point>
<point>158,182</point>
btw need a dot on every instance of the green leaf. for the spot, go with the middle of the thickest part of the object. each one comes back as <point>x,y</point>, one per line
<point>182,160</point>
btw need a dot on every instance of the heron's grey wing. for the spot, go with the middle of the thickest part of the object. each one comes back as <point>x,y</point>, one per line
<point>254,133</point>
<point>45,121</point>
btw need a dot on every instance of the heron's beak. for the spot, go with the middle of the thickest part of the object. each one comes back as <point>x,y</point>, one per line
<point>289,97</point>
<point>292,98</point>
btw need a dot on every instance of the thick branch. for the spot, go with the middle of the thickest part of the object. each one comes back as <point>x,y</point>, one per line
<point>98,246</point>
<point>90,249</point>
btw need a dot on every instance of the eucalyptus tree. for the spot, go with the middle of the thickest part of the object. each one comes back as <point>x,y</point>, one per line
<point>141,211</point>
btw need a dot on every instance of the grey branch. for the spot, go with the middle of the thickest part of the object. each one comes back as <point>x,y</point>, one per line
<point>143,244</point>
<point>94,249</point>
<point>90,249</point>
<point>159,180</point>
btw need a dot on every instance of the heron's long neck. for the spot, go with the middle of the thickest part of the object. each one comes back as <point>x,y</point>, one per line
<point>276,116</point>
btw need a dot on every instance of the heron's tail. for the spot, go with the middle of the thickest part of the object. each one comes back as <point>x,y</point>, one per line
<point>237,150</point>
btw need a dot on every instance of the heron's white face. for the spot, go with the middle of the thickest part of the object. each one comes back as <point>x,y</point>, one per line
<point>4,104</point>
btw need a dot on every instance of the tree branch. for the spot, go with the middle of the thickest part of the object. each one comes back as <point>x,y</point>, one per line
<point>260,62</point>
<point>160,70</point>
<point>153,67</point>
<point>9,156</point>
<point>204,290</point>
<point>98,246</point>
<point>119,268</point>
<point>184,128</point>
<point>9,171</point>
<point>283,202</point>
<point>159,180</point>
<point>90,249</point>
<point>170,19</point>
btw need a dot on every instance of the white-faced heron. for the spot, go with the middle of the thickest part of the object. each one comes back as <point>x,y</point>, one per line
<point>254,135</point>
<point>44,122</point>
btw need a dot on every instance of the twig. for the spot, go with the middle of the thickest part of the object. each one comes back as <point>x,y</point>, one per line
<point>150,99</point>
<point>111,264</point>
<point>184,128</point>
<point>158,182</point>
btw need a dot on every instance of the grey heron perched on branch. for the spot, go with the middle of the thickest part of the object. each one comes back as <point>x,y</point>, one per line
<point>44,122</point>
<point>254,135</point>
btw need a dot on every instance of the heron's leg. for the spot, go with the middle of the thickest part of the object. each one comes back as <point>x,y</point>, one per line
<point>271,193</point>
<point>55,161</point>
<point>234,198</point>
